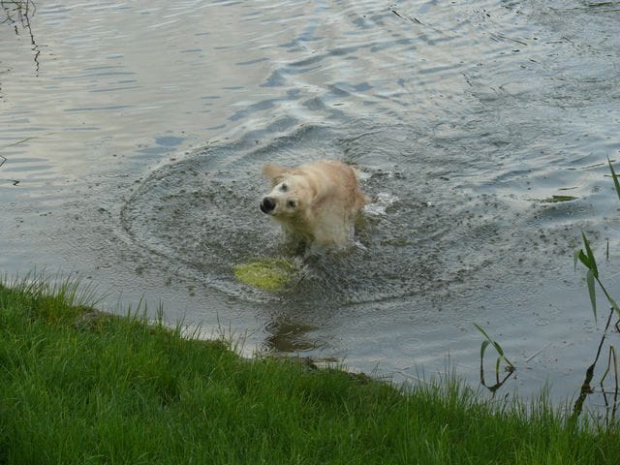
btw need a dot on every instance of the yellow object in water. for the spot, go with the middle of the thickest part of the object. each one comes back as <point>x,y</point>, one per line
<point>270,275</point>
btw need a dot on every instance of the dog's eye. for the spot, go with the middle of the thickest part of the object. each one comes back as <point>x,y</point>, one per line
<point>291,204</point>
<point>284,187</point>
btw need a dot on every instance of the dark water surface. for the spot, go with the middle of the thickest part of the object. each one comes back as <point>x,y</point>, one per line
<point>134,136</point>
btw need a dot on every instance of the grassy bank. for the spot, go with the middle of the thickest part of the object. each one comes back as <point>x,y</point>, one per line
<point>77,386</point>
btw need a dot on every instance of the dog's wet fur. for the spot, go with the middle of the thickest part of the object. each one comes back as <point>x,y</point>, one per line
<point>315,203</point>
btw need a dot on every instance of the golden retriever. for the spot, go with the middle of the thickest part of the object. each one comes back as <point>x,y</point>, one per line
<point>315,203</point>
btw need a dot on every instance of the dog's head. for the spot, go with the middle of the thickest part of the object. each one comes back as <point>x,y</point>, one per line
<point>290,194</point>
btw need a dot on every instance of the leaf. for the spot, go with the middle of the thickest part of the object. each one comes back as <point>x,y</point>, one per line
<point>615,178</point>
<point>577,257</point>
<point>500,351</point>
<point>592,291</point>
<point>583,258</point>
<point>483,348</point>
<point>482,331</point>
<point>590,256</point>
<point>495,344</point>
<point>498,348</point>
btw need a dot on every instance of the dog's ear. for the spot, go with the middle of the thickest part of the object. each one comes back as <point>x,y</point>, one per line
<point>273,172</point>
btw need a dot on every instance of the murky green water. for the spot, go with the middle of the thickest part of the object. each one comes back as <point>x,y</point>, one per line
<point>135,135</point>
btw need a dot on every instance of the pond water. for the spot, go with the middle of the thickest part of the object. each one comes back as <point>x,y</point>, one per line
<point>134,136</point>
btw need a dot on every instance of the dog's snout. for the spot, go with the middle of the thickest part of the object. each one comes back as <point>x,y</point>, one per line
<point>268,205</point>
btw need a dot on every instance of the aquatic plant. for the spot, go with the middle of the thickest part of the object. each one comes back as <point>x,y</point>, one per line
<point>587,259</point>
<point>22,8</point>
<point>509,369</point>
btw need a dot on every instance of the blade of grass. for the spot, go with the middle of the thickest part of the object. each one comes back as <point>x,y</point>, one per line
<point>483,348</point>
<point>479,328</point>
<point>592,291</point>
<point>16,143</point>
<point>588,258</point>
<point>615,178</point>
<point>496,345</point>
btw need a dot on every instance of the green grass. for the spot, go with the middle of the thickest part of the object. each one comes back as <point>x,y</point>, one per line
<point>81,387</point>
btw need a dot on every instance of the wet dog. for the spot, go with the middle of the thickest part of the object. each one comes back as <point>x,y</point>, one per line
<point>314,203</point>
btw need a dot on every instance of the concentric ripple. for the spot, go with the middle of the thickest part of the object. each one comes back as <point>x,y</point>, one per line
<point>200,214</point>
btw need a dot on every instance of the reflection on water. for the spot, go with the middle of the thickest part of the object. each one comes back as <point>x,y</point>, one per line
<point>288,337</point>
<point>17,14</point>
<point>610,396</point>
<point>135,133</point>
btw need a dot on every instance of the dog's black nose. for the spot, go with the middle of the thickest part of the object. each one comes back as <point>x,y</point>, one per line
<point>267,205</point>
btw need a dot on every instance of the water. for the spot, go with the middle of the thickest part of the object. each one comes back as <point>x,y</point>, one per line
<point>135,134</point>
